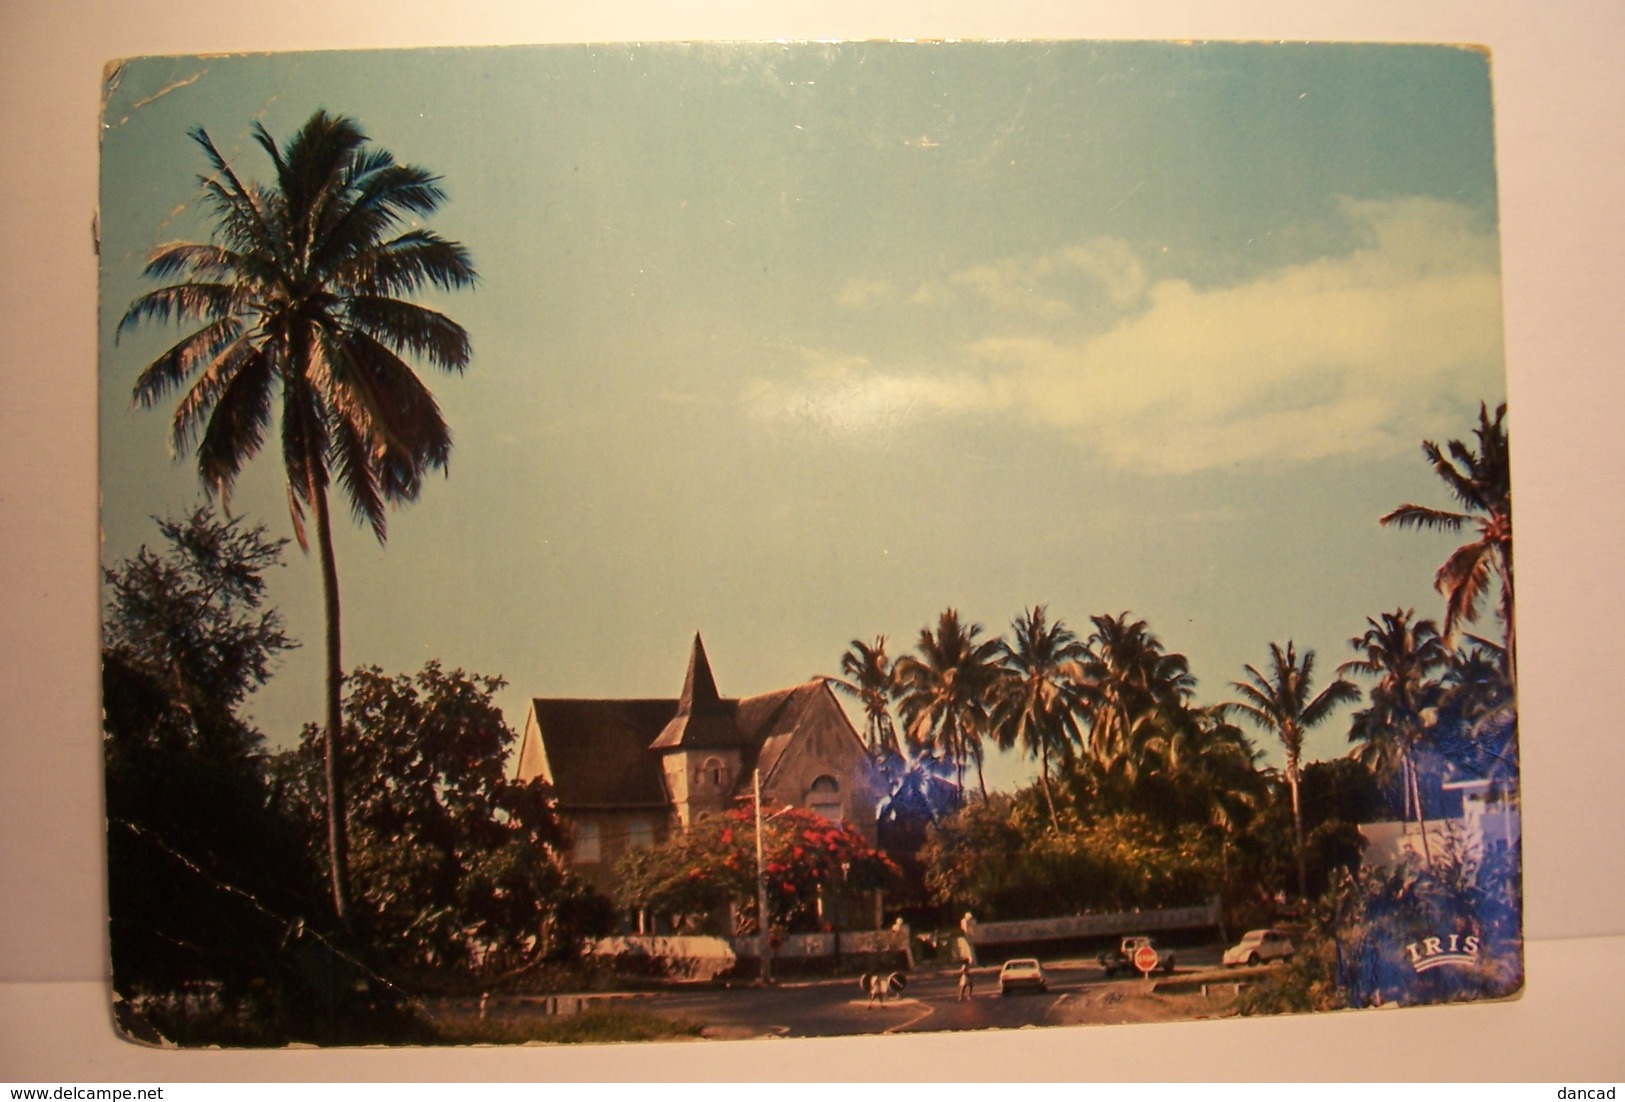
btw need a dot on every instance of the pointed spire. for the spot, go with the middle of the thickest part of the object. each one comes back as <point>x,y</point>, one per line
<point>699,687</point>
<point>703,718</point>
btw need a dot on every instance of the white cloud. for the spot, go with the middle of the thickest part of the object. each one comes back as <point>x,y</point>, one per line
<point>866,294</point>
<point>1054,286</point>
<point>1338,356</point>
<point>845,396</point>
<point>1346,355</point>
<point>1355,354</point>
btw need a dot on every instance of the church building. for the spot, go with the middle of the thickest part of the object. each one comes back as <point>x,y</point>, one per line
<point>626,774</point>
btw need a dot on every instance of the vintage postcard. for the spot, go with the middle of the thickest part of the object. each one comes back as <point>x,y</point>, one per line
<point>644,541</point>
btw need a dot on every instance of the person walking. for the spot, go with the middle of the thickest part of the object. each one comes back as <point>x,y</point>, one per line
<point>967,986</point>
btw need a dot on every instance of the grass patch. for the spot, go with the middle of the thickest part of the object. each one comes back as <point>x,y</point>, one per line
<point>595,1025</point>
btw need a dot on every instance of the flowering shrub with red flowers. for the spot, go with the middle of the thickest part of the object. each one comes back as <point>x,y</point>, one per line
<point>697,875</point>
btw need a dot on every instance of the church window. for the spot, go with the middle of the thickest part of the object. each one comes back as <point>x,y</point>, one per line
<point>586,848</point>
<point>713,773</point>
<point>825,798</point>
<point>639,834</point>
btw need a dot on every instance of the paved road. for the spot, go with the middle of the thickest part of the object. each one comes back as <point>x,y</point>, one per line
<point>835,1008</point>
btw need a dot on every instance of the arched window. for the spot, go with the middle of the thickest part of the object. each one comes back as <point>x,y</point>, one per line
<point>825,798</point>
<point>585,851</point>
<point>639,834</point>
<point>711,774</point>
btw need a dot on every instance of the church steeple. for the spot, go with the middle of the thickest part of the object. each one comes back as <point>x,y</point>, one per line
<point>699,687</point>
<point>703,718</point>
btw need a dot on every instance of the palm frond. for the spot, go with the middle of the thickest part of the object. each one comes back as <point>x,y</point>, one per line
<point>357,470</point>
<point>207,263</point>
<point>397,409</point>
<point>237,422</point>
<point>410,328</point>
<point>1421,516</point>
<point>181,302</point>
<point>1463,579</point>
<point>199,401</point>
<point>243,213</point>
<point>406,263</point>
<point>379,196</point>
<point>171,370</point>
<point>1334,694</point>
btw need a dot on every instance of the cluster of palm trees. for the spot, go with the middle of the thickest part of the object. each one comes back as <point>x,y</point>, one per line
<point>1116,708</point>
<point>1116,702</point>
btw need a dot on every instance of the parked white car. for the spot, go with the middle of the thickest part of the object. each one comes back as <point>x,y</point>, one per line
<point>1259,947</point>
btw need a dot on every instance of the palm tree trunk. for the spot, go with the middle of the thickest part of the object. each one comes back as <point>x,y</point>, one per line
<point>1508,611</point>
<point>1043,780</point>
<point>1297,830</point>
<point>1415,795</point>
<point>338,835</point>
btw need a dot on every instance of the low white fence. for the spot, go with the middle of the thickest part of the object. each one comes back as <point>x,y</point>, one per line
<point>1095,925</point>
<point>696,958</point>
<point>704,958</point>
<point>850,942</point>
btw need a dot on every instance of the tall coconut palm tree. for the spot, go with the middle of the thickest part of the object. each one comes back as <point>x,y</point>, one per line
<point>943,692</point>
<point>1280,703</point>
<point>1128,674</point>
<point>298,298</point>
<point>1402,656</point>
<point>871,680</point>
<point>1481,482</point>
<point>1038,701</point>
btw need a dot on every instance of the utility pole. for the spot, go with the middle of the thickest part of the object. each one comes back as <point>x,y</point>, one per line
<point>764,949</point>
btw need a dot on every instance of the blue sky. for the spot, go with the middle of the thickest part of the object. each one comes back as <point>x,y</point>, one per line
<point>795,344</point>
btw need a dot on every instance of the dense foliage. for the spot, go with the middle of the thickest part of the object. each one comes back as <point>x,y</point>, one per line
<point>211,895</point>
<point>457,869</point>
<point>997,858</point>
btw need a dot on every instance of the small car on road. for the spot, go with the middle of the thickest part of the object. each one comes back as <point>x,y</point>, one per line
<point>1123,959</point>
<point>1022,974</point>
<point>1259,947</point>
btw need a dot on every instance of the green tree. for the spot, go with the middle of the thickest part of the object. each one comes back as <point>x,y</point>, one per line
<point>1481,482</point>
<point>997,858</point>
<point>871,680</point>
<point>206,881</point>
<point>944,692</point>
<point>1038,699</point>
<point>299,293</point>
<point>1280,703</point>
<point>1402,656</point>
<point>457,869</point>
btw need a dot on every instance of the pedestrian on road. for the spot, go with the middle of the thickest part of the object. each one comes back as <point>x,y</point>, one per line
<point>967,988</point>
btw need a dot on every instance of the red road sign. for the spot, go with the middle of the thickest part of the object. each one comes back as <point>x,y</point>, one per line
<point>1145,959</point>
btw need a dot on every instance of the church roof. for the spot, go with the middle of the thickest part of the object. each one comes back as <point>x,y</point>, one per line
<point>598,750</point>
<point>606,754</point>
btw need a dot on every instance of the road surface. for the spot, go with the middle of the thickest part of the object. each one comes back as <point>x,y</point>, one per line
<point>836,1008</point>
